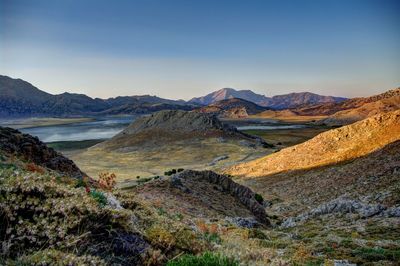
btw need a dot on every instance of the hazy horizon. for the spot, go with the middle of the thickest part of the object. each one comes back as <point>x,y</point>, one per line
<point>180,50</point>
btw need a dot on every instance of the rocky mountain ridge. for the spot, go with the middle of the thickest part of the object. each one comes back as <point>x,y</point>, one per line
<point>19,98</point>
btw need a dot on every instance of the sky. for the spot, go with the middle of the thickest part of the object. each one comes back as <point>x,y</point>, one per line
<point>180,49</point>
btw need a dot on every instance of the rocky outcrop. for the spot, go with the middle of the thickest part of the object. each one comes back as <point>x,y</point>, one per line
<point>225,184</point>
<point>31,149</point>
<point>174,125</point>
<point>344,205</point>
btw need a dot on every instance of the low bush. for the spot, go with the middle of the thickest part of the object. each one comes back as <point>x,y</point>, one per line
<point>99,197</point>
<point>171,172</point>
<point>259,198</point>
<point>31,167</point>
<point>377,254</point>
<point>207,258</point>
<point>107,181</point>
<point>43,218</point>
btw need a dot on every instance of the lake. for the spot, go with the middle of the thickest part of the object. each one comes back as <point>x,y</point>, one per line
<point>103,128</point>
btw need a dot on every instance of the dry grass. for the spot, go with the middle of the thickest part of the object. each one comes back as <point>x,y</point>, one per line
<point>333,146</point>
<point>155,161</point>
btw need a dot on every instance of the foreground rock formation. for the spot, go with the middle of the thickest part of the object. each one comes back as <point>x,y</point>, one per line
<point>189,180</point>
<point>331,147</point>
<point>31,149</point>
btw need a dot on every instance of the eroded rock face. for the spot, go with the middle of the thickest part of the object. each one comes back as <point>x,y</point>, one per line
<point>244,194</point>
<point>31,149</point>
<point>344,205</point>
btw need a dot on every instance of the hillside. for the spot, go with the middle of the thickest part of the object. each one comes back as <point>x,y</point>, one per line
<point>294,100</point>
<point>366,110</point>
<point>51,218</point>
<point>145,108</point>
<point>25,147</point>
<point>169,126</point>
<point>232,108</point>
<point>332,108</point>
<point>19,98</point>
<point>285,101</point>
<point>331,147</point>
<point>166,140</point>
<point>228,93</point>
<point>340,213</point>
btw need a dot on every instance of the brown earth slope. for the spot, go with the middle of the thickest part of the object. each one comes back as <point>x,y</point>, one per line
<point>366,110</point>
<point>331,108</point>
<point>333,146</point>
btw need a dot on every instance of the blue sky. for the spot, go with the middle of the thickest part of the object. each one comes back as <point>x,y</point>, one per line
<point>182,49</point>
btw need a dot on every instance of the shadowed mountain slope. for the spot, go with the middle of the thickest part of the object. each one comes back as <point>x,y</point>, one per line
<point>232,108</point>
<point>19,98</point>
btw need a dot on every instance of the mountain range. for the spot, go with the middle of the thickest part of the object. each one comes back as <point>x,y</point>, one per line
<point>285,101</point>
<point>19,98</point>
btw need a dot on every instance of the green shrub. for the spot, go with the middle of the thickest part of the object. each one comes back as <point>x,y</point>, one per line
<point>180,170</point>
<point>178,216</point>
<point>207,258</point>
<point>80,183</point>
<point>161,211</point>
<point>171,172</point>
<point>377,254</point>
<point>259,198</point>
<point>99,197</point>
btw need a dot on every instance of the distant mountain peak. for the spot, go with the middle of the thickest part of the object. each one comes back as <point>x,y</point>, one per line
<point>291,100</point>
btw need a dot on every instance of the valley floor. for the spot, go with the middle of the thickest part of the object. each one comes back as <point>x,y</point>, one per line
<point>197,155</point>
